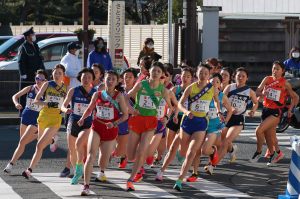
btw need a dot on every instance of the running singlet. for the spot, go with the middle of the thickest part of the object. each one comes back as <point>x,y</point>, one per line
<point>200,107</point>
<point>80,102</point>
<point>144,103</point>
<point>213,113</point>
<point>276,93</point>
<point>162,109</point>
<point>178,94</point>
<point>54,93</point>
<point>106,111</point>
<point>30,98</point>
<point>239,99</point>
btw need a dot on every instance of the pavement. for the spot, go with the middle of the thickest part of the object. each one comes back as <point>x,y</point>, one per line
<point>237,180</point>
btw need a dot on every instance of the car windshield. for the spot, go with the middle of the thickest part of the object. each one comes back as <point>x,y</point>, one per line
<point>7,44</point>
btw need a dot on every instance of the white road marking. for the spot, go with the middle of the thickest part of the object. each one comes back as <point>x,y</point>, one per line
<point>6,191</point>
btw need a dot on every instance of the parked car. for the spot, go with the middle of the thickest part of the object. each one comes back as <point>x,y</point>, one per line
<point>4,39</point>
<point>9,49</point>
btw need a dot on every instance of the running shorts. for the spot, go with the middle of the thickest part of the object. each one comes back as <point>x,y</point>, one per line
<point>29,117</point>
<point>160,129</point>
<point>140,124</point>
<point>236,120</point>
<point>74,129</point>
<point>266,112</point>
<point>172,126</point>
<point>215,126</point>
<point>190,126</point>
<point>46,120</point>
<point>123,128</point>
<point>104,133</point>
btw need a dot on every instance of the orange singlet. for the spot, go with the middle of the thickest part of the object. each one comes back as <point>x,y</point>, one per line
<point>276,93</point>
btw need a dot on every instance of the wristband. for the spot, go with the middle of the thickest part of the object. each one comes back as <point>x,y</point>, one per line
<point>167,117</point>
<point>220,113</point>
<point>52,104</point>
<point>115,123</point>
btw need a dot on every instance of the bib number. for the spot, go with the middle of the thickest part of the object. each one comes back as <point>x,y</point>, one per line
<point>146,102</point>
<point>59,100</point>
<point>161,109</point>
<point>105,113</point>
<point>273,94</point>
<point>79,108</point>
<point>212,114</point>
<point>31,106</point>
<point>238,104</point>
<point>200,106</point>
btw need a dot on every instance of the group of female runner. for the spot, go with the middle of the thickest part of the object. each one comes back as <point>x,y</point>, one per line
<point>202,115</point>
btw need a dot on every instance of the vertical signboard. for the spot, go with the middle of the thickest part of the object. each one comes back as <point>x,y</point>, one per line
<point>116,26</point>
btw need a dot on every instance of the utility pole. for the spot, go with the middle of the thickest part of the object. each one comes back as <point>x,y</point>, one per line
<point>85,20</point>
<point>171,49</point>
<point>191,32</point>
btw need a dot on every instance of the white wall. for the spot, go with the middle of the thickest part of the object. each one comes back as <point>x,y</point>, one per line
<point>256,6</point>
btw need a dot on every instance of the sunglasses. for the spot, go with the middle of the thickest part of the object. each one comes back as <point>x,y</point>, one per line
<point>39,79</point>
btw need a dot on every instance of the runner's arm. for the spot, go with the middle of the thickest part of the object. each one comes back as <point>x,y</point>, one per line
<point>16,96</point>
<point>260,88</point>
<point>183,98</point>
<point>91,107</point>
<point>228,107</point>
<point>253,98</point>
<point>38,97</point>
<point>67,100</point>
<point>124,110</point>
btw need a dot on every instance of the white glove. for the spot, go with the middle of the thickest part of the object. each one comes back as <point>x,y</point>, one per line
<point>23,76</point>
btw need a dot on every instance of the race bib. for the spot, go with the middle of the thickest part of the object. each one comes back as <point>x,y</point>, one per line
<point>161,109</point>
<point>273,94</point>
<point>212,114</point>
<point>238,105</point>
<point>59,100</point>
<point>200,106</point>
<point>146,102</point>
<point>105,113</point>
<point>31,106</point>
<point>186,104</point>
<point>79,108</point>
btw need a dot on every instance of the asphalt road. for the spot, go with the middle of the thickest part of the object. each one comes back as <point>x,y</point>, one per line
<point>237,180</point>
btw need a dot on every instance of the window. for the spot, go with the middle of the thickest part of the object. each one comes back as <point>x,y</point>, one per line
<point>53,52</point>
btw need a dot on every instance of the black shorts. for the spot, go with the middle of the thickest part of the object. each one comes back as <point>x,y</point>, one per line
<point>172,126</point>
<point>236,120</point>
<point>74,129</point>
<point>266,112</point>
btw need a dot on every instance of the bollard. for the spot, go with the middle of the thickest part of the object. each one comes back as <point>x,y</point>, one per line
<point>293,184</point>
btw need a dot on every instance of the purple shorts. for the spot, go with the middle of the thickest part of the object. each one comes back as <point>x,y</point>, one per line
<point>161,129</point>
<point>123,128</point>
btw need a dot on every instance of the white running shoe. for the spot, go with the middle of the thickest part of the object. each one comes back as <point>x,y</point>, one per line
<point>233,154</point>
<point>209,169</point>
<point>54,145</point>
<point>159,176</point>
<point>8,168</point>
<point>85,191</point>
<point>101,177</point>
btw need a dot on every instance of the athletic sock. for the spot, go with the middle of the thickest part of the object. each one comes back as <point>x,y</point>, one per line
<point>12,164</point>
<point>29,169</point>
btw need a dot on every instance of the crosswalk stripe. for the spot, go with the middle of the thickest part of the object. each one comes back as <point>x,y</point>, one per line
<point>208,187</point>
<point>143,189</point>
<point>61,186</point>
<point>7,191</point>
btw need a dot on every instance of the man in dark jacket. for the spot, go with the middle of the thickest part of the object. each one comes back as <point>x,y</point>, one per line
<point>30,60</point>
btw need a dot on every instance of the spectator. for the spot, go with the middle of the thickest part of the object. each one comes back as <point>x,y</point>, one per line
<point>145,65</point>
<point>30,60</point>
<point>100,55</point>
<point>148,50</point>
<point>293,63</point>
<point>72,64</point>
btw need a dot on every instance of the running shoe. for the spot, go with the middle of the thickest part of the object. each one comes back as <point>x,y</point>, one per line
<point>114,154</point>
<point>192,178</point>
<point>271,160</point>
<point>142,171</point>
<point>8,168</point>
<point>214,158</point>
<point>278,156</point>
<point>101,177</point>
<point>54,145</point>
<point>178,185</point>
<point>65,172</point>
<point>209,169</point>
<point>179,157</point>
<point>26,174</point>
<point>255,157</point>
<point>159,176</point>
<point>123,162</point>
<point>78,174</point>
<point>130,186</point>
<point>138,177</point>
<point>150,160</point>
<point>267,154</point>
<point>86,190</point>
<point>233,154</point>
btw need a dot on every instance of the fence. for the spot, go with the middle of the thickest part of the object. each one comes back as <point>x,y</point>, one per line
<point>133,42</point>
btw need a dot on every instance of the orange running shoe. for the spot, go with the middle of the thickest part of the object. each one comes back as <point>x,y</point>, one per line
<point>130,186</point>
<point>138,177</point>
<point>150,160</point>
<point>214,158</point>
<point>123,163</point>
